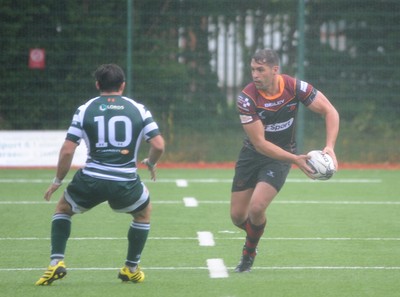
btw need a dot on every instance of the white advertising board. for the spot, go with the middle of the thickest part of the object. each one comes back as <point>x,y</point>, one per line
<point>35,149</point>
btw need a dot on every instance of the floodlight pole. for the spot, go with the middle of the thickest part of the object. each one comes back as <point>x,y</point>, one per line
<point>300,72</point>
<point>129,20</point>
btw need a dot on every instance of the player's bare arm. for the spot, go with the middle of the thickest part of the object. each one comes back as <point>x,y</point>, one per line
<point>65,159</point>
<point>156,150</point>
<point>323,106</point>
<point>255,132</point>
<point>64,164</point>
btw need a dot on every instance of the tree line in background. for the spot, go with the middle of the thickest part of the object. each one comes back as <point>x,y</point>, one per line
<point>356,64</point>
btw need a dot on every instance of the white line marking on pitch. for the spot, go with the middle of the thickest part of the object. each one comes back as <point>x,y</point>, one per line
<point>215,180</point>
<point>227,202</point>
<point>335,180</point>
<point>203,268</point>
<point>329,268</point>
<point>190,202</point>
<point>218,238</point>
<point>217,268</point>
<point>205,238</point>
<point>181,183</point>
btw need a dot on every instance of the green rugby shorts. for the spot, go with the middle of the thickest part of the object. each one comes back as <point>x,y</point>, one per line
<point>85,192</point>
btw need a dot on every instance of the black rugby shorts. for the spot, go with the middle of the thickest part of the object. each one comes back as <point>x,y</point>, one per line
<point>253,167</point>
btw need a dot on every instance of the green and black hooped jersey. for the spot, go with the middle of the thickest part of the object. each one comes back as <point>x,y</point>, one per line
<point>112,128</point>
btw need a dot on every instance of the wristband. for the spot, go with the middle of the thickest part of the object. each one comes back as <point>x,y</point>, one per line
<point>57,181</point>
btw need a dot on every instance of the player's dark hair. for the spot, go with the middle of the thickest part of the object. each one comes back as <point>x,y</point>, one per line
<point>109,77</point>
<point>266,56</point>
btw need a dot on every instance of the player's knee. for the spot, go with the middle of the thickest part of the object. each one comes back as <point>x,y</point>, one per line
<point>64,207</point>
<point>143,215</point>
<point>238,219</point>
<point>257,210</point>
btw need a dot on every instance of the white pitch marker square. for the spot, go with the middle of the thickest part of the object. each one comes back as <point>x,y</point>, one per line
<point>205,238</point>
<point>182,183</point>
<point>217,268</point>
<point>190,202</point>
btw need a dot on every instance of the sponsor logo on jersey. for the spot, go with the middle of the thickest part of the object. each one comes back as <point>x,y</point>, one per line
<point>303,86</point>
<point>262,115</point>
<point>291,107</point>
<point>104,107</point>
<point>275,103</point>
<point>279,126</point>
<point>245,118</point>
<point>243,103</point>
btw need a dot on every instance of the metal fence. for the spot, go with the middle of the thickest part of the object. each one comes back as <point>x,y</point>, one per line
<point>187,60</point>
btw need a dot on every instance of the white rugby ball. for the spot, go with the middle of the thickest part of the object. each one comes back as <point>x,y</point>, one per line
<point>322,164</point>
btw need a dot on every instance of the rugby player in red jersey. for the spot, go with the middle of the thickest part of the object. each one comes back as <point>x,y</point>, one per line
<point>267,108</point>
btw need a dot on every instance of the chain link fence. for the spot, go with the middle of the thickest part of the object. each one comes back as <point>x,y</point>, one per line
<point>187,60</point>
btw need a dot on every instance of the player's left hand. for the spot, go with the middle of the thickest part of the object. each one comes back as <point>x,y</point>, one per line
<point>328,150</point>
<point>151,167</point>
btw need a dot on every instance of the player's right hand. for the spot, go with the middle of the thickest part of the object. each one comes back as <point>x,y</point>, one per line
<point>50,191</point>
<point>301,162</point>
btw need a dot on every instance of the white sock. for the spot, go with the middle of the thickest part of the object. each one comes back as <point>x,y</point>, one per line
<point>54,262</point>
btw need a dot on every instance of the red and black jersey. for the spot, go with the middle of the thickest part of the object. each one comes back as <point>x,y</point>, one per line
<point>277,113</point>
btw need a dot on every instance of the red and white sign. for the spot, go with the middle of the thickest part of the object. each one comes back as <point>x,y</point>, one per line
<point>37,58</point>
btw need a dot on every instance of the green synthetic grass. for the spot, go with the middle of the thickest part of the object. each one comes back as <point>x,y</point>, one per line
<point>335,238</point>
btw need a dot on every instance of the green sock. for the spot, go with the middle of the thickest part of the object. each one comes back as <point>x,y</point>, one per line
<point>60,231</point>
<point>137,237</point>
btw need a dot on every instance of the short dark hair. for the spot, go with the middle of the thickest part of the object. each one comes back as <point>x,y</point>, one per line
<point>109,77</point>
<point>266,56</point>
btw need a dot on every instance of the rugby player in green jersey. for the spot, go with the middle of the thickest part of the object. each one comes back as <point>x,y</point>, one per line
<point>112,127</point>
<point>267,108</point>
